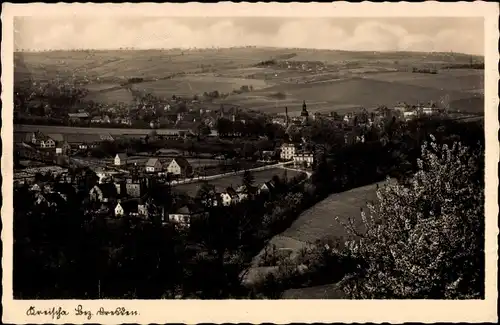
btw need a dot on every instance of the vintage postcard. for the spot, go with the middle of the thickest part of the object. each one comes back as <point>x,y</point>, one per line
<point>249,163</point>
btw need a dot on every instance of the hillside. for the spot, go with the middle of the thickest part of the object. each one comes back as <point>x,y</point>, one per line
<point>326,79</point>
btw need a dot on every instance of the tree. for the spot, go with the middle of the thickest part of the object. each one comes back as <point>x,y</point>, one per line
<point>425,237</point>
<point>202,130</point>
<point>248,150</point>
<point>248,180</point>
<point>224,127</point>
<point>207,194</point>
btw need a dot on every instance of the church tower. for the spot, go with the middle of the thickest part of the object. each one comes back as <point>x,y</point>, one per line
<point>304,114</point>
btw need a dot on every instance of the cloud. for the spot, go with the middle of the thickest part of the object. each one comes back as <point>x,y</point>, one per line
<point>168,33</point>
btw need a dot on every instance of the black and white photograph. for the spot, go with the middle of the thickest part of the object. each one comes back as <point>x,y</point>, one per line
<point>164,157</point>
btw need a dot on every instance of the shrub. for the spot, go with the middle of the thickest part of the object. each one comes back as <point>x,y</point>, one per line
<point>425,238</point>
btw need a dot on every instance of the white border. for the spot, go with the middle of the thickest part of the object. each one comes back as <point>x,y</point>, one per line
<point>281,311</point>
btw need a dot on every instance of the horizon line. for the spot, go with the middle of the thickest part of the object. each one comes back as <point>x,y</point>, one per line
<point>237,47</point>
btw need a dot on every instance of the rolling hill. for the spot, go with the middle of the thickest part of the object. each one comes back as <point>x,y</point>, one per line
<point>345,79</point>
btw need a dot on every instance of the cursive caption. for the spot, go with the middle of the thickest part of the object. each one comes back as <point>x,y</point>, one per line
<point>60,312</point>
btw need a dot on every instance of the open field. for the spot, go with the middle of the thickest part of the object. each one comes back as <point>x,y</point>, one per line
<point>133,63</point>
<point>110,97</point>
<point>190,85</point>
<point>349,79</point>
<point>336,56</point>
<point>221,184</point>
<point>353,92</point>
<point>465,82</point>
<point>360,91</point>
<point>105,86</point>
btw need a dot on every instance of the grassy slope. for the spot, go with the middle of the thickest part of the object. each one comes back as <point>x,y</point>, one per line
<point>319,221</point>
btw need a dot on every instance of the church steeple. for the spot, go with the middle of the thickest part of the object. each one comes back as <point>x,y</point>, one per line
<point>304,114</point>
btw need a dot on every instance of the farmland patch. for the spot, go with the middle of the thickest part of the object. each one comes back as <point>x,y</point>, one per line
<point>111,97</point>
<point>436,81</point>
<point>190,85</point>
<point>366,92</point>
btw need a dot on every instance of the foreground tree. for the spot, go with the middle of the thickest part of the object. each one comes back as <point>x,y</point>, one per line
<point>425,237</point>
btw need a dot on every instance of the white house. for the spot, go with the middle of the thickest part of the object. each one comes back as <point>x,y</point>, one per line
<point>348,117</point>
<point>47,143</point>
<point>62,148</point>
<point>429,109</point>
<point>288,151</point>
<point>119,211</point>
<point>304,158</point>
<point>154,165</point>
<point>230,196</point>
<point>179,166</point>
<point>121,159</point>
<point>183,215</point>
<point>40,139</point>
<point>266,187</point>
<point>408,115</point>
<point>127,208</point>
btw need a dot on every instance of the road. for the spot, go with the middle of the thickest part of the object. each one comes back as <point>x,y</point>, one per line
<point>201,178</point>
<point>308,173</point>
<point>256,169</point>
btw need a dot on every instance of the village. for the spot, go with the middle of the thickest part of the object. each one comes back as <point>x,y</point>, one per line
<point>122,185</point>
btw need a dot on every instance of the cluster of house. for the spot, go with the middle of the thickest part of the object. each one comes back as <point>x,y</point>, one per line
<point>302,65</point>
<point>62,144</point>
<point>301,157</point>
<point>403,109</point>
<point>105,119</point>
<point>230,195</point>
<point>409,112</point>
<point>164,114</point>
<point>178,166</point>
<point>118,197</point>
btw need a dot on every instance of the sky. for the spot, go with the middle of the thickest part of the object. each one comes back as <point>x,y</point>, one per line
<point>439,34</point>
